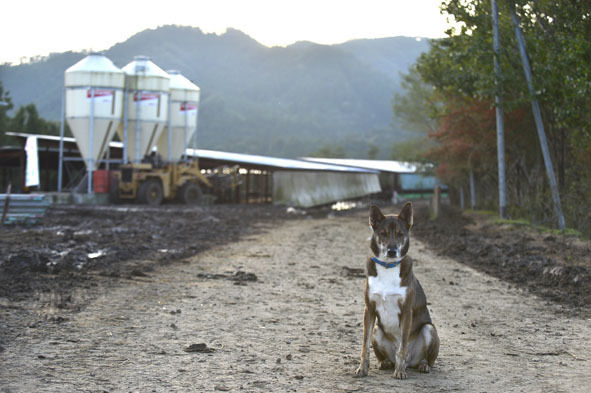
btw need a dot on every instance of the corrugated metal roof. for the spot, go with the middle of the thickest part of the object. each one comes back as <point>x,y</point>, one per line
<point>251,159</point>
<point>40,136</point>
<point>275,162</point>
<point>378,165</point>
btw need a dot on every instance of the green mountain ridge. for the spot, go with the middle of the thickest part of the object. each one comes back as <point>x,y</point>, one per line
<point>280,101</point>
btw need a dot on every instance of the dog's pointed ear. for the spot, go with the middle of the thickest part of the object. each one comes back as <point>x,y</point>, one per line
<point>406,215</point>
<point>375,216</point>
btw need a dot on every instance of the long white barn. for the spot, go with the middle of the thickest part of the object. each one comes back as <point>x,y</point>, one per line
<point>292,182</point>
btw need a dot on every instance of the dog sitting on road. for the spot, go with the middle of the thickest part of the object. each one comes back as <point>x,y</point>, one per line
<point>404,335</point>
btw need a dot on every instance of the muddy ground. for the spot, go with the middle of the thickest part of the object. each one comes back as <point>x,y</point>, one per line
<point>547,263</point>
<point>253,298</point>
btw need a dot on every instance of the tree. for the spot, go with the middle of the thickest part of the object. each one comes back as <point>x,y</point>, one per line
<point>372,151</point>
<point>460,70</point>
<point>419,108</point>
<point>5,106</point>
<point>329,151</point>
<point>27,120</point>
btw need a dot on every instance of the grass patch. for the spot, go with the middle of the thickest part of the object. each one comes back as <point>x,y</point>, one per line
<point>486,212</point>
<point>444,195</point>
<point>566,232</point>
<point>521,222</point>
<point>517,222</point>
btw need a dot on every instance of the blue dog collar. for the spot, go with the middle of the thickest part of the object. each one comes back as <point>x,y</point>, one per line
<point>386,264</point>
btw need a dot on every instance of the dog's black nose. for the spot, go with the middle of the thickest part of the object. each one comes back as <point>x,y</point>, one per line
<point>391,253</point>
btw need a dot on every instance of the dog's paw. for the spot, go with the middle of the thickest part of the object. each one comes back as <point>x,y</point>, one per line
<point>361,372</point>
<point>399,374</point>
<point>424,368</point>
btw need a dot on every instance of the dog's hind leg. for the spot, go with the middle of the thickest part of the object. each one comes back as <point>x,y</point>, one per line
<point>433,345</point>
<point>423,349</point>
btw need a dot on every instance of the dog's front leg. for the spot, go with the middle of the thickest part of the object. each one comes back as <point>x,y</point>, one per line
<point>405,325</point>
<point>369,318</point>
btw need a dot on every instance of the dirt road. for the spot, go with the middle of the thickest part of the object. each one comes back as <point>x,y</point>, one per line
<point>296,328</point>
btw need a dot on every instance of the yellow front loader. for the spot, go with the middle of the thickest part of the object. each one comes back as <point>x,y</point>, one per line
<point>151,183</point>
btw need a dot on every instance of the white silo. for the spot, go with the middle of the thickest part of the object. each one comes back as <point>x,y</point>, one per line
<point>147,107</point>
<point>93,106</point>
<point>182,121</point>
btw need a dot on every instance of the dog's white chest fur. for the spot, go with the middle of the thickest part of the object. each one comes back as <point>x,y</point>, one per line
<point>386,292</point>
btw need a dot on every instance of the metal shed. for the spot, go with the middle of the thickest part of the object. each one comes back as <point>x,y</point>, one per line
<point>296,182</point>
<point>263,179</point>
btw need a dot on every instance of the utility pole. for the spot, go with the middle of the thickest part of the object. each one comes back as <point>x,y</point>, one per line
<point>499,113</point>
<point>60,168</point>
<point>472,190</point>
<point>538,119</point>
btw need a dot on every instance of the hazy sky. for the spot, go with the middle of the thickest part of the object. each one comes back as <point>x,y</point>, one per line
<point>39,27</point>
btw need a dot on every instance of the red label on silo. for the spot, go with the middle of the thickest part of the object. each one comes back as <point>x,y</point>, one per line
<point>188,106</point>
<point>149,99</point>
<point>101,95</point>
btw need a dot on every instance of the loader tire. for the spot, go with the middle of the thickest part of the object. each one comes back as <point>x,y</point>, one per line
<point>150,192</point>
<point>190,193</point>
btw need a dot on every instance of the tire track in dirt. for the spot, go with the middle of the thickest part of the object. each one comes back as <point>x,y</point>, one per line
<point>297,328</point>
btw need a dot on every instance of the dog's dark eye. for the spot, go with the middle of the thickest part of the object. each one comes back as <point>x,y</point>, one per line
<point>382,233</point>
